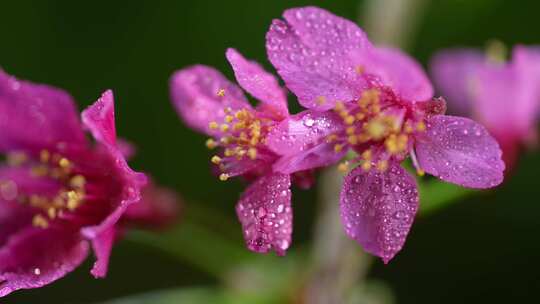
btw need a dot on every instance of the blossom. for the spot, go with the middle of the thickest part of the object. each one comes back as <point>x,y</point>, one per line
<point>378,103</point>
<point>209,103</point>
<point>59,193</point>
<point>504,96</point>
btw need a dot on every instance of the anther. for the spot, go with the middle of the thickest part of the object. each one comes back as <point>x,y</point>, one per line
<point>213,125</point>
<point>221,92</point>
<point>211,143</point>
<point>223,177</point>
<point>215,159</point>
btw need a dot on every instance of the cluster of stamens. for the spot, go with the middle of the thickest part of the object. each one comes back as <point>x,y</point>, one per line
<point>369,121</point>
<point>241,132</point>
<point>54,166</point>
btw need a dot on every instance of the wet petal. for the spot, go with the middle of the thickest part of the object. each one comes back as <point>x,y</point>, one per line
<point>264,210</point>
<point>460,151</point>
<point>397,71</point>
<point>99,119</point>
<point>259,83</point>
<point>321,155</point>
<point>36,257</point>
<point>455,73</point>
<point>194,92</point>
<point>315,52</point>
<point>34,116</point>
<point>378,209</point>
<point>303,131</point>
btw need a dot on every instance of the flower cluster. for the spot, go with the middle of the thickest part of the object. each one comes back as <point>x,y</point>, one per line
<point>59,192</point>
<point>373,103</point>
<point>503,96</point>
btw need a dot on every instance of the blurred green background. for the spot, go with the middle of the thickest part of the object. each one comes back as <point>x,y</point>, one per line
<point>483,249</point>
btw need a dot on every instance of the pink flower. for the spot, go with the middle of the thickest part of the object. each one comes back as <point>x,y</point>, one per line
<point>378,103</point>
<point>505,97</point>
<point>59,193</point>
<point>209,103</point>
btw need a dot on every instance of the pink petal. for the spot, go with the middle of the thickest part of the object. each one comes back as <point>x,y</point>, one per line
<point>36,257</point>
<point>303,131</point>
<point>378,209</point>
<point>264,210</point>
<point>99,119</point>
<point>102,246</point>
<point>302,140</point>
<point>259,83</point>
<point>455,73</point>
<point>34,116</point>
<point>460,151</point>
<point>321,155</point>
<point>157,208</point>
<point>194,92</point>
<point>397,71</point>
<point>314,52</point>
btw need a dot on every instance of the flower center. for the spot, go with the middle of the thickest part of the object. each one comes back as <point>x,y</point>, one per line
<point>241,134</point>
<point>57,168</point>
<point>377,128</point>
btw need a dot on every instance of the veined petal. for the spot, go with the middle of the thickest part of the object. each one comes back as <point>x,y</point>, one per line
<point>34,116</point>
<point>314,52</point>
<point>99,119</point>
<point>36,257</point>
<point>321,155</point>
<point>265,212</point>
<point>460,151</point>
<point>201,94</point>
<point>378,209</point>
<point>259,83</point>
<point>397,71</point>
<point>303,131</point>
<point>455,73</point>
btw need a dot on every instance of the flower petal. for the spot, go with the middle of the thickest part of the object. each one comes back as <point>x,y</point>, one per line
<point>321,155</point>
<point>460,151</point>
<point>378,209</point>
<point>36,257</point>
<point>396,70</point>
<point>34,116</point>
<point>265,212</point>
<point>259,83</point>
<point>99,119</point>
<point>314,52</point>
<point>194,92</point>
<point>102,246</point>
<point>455,73</point>
<point>302,131</point>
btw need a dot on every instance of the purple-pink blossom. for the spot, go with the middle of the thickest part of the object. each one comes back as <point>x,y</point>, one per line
<point>378,103</point>
<point>503,96</point>
<point>209,103</point>
<point>59,192</point>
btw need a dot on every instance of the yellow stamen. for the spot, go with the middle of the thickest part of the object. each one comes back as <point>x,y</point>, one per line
<point>221,92</point>
<point>223,177</point>
<point>215,159</point>
<point>211,144</point>
<point>252,153</point>
<point>213,125</point>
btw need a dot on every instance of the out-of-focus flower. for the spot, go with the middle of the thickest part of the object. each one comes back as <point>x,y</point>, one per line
<point>504,96</point>
<point>209,103</point>
<point>378,103</point>
<point>59,193</point>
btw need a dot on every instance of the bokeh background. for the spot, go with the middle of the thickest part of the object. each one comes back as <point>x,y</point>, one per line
<point>481,249</point>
